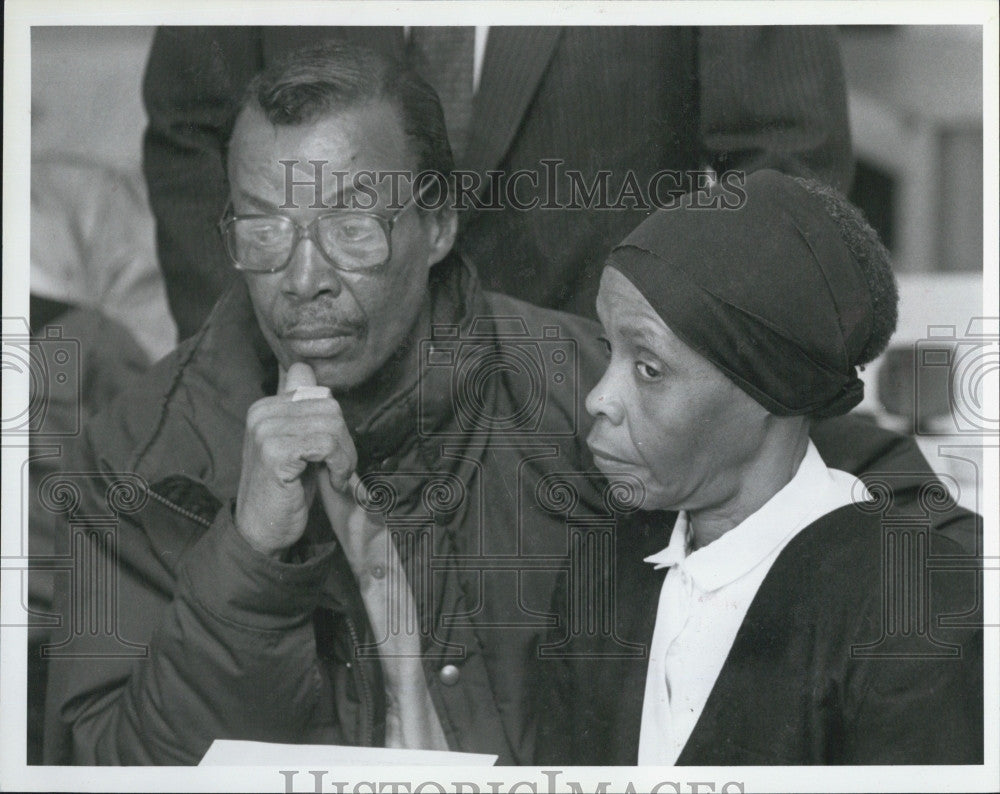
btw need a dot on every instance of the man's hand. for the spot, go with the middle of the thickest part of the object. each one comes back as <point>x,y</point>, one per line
<point>294,445</point>
<point>277,484</point>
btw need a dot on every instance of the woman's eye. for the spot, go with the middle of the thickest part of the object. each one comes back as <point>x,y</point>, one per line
<point>647,371</point>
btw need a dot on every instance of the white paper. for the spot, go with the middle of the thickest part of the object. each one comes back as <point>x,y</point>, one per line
<point>230,752</point>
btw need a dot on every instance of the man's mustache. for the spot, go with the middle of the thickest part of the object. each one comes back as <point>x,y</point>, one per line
<point>321,316</point>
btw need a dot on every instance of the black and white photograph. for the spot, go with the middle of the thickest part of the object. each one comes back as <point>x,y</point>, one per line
<point>500,397</point>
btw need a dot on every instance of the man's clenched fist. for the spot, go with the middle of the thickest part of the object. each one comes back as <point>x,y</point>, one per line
<point>277,484</point>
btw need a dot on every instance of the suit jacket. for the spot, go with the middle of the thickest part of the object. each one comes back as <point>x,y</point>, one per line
<point>818,672</point>
<point>620,99</point>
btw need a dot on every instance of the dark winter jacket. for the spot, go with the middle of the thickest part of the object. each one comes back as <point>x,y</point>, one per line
<point>210,639</point>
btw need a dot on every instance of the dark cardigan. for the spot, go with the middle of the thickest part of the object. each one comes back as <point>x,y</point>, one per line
<point>815,675</point>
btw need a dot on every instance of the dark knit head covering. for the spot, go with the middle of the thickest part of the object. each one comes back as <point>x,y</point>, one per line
<point>768,292</point>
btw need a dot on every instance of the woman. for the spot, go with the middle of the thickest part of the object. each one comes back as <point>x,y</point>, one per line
<point>753,574</point>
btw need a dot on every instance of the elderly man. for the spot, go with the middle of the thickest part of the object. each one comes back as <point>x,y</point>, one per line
<point>251,619</point>
<point>345,526</point>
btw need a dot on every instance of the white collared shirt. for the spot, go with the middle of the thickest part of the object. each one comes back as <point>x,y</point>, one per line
<point>706,594</point>
<point>478,52</point>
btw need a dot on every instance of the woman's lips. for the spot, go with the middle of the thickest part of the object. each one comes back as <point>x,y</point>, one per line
<point>601,456</point>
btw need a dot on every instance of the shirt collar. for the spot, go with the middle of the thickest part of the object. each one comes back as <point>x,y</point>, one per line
<point>812,492</point>
<point>677,549</point>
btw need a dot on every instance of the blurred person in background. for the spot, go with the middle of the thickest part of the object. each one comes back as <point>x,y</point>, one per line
<point>630,101</point>
<point>93,282</point>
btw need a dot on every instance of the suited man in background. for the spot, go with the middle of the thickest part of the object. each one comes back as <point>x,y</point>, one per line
<point>617,99</point>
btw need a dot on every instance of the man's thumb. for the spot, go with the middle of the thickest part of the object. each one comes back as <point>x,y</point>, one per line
<point>298,375</point>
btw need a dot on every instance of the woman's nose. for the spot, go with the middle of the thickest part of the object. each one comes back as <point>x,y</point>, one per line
<point>604,400</point>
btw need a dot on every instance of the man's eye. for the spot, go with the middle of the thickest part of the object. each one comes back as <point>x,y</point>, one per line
<point>354,231</point>
<point>647,371</point>
<point>263,233</point>
<point>605,344</point>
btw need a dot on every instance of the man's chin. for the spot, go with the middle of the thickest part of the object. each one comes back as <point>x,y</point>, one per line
<point>338,376</point>
<point>352,367</point>
<point>338,373</point>
<point>336,361</point>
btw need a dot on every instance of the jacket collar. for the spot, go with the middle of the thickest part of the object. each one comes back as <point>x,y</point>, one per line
<point>419,410</point>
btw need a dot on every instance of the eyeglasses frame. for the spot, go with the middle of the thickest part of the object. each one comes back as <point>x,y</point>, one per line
<point>308,231</point>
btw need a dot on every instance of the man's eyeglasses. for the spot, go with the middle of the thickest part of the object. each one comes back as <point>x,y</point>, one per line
<point>349,240</point>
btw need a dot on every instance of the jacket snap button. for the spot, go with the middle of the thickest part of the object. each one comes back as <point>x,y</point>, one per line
<point>449,675</point>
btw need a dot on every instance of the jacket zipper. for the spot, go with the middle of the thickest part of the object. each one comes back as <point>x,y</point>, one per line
<point>368,729</point>
<point>178,509</point>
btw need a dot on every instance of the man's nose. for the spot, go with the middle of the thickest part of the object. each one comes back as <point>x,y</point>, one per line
<point>309,275</point>
<point>603,399</point>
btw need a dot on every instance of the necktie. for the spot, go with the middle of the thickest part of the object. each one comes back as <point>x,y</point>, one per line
<point>444,58</point>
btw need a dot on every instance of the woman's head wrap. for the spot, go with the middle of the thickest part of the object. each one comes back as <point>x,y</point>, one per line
<point>768,292</point>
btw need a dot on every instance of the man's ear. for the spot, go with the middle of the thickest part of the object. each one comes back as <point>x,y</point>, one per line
<point>442,225</point>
